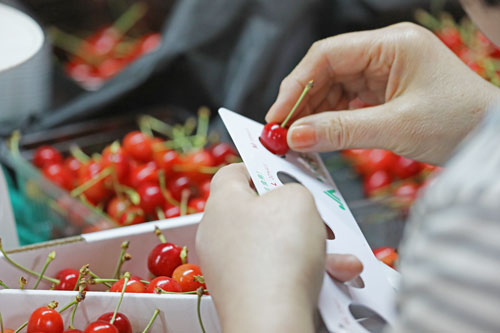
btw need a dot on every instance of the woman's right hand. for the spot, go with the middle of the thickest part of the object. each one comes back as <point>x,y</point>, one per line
<point>426,99</point>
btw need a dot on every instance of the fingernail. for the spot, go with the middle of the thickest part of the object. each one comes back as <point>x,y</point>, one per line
<point>303,136</point>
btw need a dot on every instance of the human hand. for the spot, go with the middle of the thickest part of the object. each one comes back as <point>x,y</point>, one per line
<point>262,256</point>
<point>426,99</point>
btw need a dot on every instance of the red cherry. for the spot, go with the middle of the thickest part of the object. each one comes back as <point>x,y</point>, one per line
<point>165,283</point>
<point>273,137</point>
<point>166,159</point>
<point>121,321</point>
<point>138,146</point>
<point>406,193</point>
<point>142,174</point>
<point>374,160</point>
<point>73,330</point>
<point>164,258</point>
<point>110,67</point>
<point>222,153</point>
<point>205,189</point>
<point>101,43</point>
<point>193,163</point>
<point>406,168</point>
<point>100,326</point>
<point>387,255</point>
<point>45,155</point>
<point>186,275</point>
<point>451,37</point>
<point>151,197</point>
<point>45,320</point>
<point>171,211</point>
<point>134,285</point>
<point>118,160</point>
<point>59,175</point>
<point>197,204</point>
<point>376,181</point>
<point>116,207</point>
<point>68,278</point>
<point>132,215</point>
<point>150,42</point>
<point>355,155</point>
<point>97,192</point>
<point>73,165</point>
<point>8,330</point>
<point>178,184</point>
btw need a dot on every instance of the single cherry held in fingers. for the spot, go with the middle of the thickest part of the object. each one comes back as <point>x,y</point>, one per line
<point>45,320</point>
<point>122,323</point>
<point>273,136</point>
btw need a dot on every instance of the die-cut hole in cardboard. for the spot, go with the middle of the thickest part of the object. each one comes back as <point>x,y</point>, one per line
<point>367,318</point>
<point>330,235</point>
<point>269,172</point>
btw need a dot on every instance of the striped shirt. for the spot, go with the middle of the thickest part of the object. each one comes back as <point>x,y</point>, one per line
<point>450,255</point>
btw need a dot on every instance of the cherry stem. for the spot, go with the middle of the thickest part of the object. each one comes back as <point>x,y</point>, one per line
<point>91,182</point>
<point>2,284</point>
<point>114,280</point>
<point>161,291</point>
<point>126,279</point>
<point>128,19</point>
<point>71,44</point>
<point>158,125</point>
<point>184,201</point>
<point>148,326</point>
<point>121,259</point>
<point>308,87</point>
<point>129,192</point>
<point>22,282</point>
<point>202,169</point>
<point>159,234</point>
<point>72,319</point>
<point>50,258</point>
<point>84,270</point>
<point>96,277</point>
<point>14,142</point>
<point>189,126</point>
<point>163,188</point>
<point>77,153</point>
<point>160,214</point>
<point>184,254</point>
<point>200,293</point>
<point>1,323</point>
<point>25,269</point>
<point>202,130</point>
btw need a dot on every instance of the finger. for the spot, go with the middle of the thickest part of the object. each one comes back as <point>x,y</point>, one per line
<point>335,130</point>
<point>341,59</point>
<point>231,181</point>
<point>343,267</point>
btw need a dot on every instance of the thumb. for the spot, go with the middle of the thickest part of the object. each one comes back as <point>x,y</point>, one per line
<point>336,130</point>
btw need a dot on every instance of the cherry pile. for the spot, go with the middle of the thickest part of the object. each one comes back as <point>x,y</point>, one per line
<point>467,42</point>
<point>167,264</point>
<point>143,178</point>
<point>103,54</point>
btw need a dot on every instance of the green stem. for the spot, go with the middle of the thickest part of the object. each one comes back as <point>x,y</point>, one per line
<point>77,153</point>
<point>202,130</point>
<point>25,269</point>
<point>200,292</point>
<point>67,306</point>
<point>159,126</point>
<point>71,44</point>
<point>128,19</point>
<point>184,254</point>
<point>163,188</point>
<point>21,327</point>
<point>308,87</point>
<point>2,284</point>
<point>160,235</point>
<point>96,277</point>
<point>14,142</point>
<point>72,319</point>
<point>114,280</point>
<point>121,259</point>
<point>50,257</point>
<point>155,314</point>
<point>184,201</point>
<point>161,291</point>
<point>1,323</point>
<point>127,278</point>
<point>91,182</point>
<point>160,214</point>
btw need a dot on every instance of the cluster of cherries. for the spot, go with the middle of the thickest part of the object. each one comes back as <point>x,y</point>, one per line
<point>170,273</point>
<point>467,42</point>
<point>103,54</point>
<point>142,179</point>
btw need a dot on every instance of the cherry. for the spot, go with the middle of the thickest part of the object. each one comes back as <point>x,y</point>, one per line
<point>187,276</point>
<point>374,160</point>
<point>45,155</point>
<point>134,285</point>
<point>166,159</point>
<point>178,184</point>
<point>143,173</point>
<point>110,67</point>
<point>406,168</point>
<point>193,164</point>
<point>116,207</point>
<point>73,165</point>
<point>122,323</point>
<point>406,193</point>
<point>72,330</point>
<point>151,197</point>
<point>100,326</point>
<point>116,157</point>
<point>376,181</point>
<point>45,320</point>
<point>150,43</point>
<point>59,175</point>
<point>132,215</point>
<point>138,146</point>
<point>273,137</point>
<point>68,278</point>
<point>8,330</point>
<point>222,153</point>
<point>205,189</point>
<point>164,258</point>
<point>97,192</point>
<point>451,37</point>
<point>171,211</point>
<point>387,255</point>
<point>197,204</point>
<point>165,283</point>
<point>101,43</point>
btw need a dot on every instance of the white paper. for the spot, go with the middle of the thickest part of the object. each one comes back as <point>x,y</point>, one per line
<point>308,169</point>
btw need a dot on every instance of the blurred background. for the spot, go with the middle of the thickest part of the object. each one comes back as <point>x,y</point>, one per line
<point>107,61</point>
